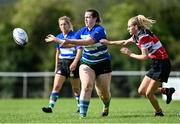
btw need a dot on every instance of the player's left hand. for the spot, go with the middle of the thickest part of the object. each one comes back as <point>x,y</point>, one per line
<point>50,38</point>
<point>125,50</point>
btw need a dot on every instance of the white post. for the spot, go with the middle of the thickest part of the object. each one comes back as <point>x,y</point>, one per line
<point>24,85</point>
<point>46,85</point>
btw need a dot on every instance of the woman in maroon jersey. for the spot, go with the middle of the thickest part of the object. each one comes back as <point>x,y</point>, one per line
<point>151,48</point>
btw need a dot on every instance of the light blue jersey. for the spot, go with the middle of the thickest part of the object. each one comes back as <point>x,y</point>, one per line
<point>97,52</point>
<point>66,53</point>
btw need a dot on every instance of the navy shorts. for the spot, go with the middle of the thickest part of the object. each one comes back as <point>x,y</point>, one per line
<point>160,70</point>
<point>101,67</point>
<point>63,68</point>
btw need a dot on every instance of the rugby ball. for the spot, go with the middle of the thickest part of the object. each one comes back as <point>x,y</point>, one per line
<point>20,36</point>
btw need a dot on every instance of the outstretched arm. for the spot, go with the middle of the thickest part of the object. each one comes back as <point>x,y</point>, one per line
<point>71,42</point>
<point>80,42</point>
<point>52,38</point>
<point>118,42</point>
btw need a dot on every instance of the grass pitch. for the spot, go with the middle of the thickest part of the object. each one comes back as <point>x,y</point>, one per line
<point>122,110</point>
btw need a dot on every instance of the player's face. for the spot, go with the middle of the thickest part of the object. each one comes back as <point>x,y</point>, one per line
<point>132,29</point>
<point>89,20</point>
<point>63,25</point>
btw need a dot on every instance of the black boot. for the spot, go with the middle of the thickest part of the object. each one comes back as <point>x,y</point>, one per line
<point>169,93</point>
<point>47,109</point>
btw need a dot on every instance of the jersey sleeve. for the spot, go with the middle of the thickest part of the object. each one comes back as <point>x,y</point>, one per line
<point>98,34</point>
<point>77,35</point>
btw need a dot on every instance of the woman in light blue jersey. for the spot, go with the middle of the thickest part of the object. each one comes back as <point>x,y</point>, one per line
<point>67,65</point>
<point>95,65</point>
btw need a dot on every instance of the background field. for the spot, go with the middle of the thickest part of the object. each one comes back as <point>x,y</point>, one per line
<point>122,110</point>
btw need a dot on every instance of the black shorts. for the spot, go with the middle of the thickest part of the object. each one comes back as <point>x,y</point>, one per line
<point>101,67</point>
<point>160,70</point>
<point>63,68</point>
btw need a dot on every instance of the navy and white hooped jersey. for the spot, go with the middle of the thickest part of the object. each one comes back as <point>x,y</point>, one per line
<point>147,40</point>
<point>66,53</point>
<point>97,52</point>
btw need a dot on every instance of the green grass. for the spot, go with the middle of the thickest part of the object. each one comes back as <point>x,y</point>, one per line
<point>122,110</point>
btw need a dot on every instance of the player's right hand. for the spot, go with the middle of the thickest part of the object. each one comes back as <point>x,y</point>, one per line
<point>125,50</point>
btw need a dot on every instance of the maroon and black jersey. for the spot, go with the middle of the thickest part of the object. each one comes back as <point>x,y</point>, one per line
<point>147,40</point>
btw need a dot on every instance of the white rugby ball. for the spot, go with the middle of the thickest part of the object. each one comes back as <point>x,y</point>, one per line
<point>20,36</point>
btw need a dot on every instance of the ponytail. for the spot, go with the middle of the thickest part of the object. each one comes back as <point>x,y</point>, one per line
<point>142,22</point>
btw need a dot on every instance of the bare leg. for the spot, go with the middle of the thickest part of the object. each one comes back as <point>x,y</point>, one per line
<point>153,86</point>
<point>144,85</point>
<point>58,82</point>
<point>75,83</point>
<point>87,76</point>
<point>102,86</point>
<point>148,87</point>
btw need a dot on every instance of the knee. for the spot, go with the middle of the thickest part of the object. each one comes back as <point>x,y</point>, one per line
<point>87,89</point>
<point>149,94</point>
<point>141,92</point>
<point>105,95</point>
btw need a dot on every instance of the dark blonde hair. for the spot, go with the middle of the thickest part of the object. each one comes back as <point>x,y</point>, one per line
<point>142,22</point>
<point>67,20</point>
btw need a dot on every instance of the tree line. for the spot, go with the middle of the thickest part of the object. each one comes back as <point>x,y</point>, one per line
<point>40,18</point>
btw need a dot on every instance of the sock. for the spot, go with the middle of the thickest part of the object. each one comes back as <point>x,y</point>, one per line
<point>83,107</point>
<point>53,98</point>
<point>163,90</point>
<point>158,111</point>
<point>77,99</point>
<point>106,103</point>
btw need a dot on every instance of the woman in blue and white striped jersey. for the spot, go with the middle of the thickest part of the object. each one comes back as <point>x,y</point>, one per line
<point>95,65</point>
<point>67,65</point>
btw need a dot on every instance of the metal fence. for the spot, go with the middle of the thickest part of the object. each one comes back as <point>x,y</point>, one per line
<point>48,75</point>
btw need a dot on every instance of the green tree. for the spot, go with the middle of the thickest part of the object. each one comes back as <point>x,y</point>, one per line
<point>39,18</point>
<point>38,22</point>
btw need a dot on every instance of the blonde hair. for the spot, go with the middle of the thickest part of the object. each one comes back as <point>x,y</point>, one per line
<point>67,20</point>
<point>142,22</point>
